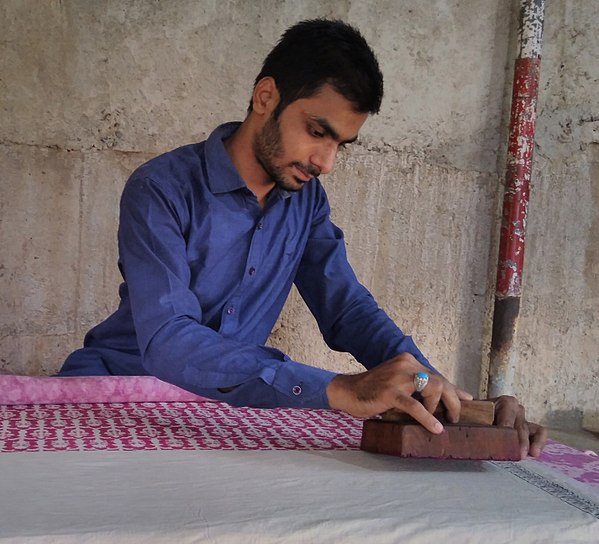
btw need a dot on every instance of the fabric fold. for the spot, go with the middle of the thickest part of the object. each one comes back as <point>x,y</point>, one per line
<point>16,389</point>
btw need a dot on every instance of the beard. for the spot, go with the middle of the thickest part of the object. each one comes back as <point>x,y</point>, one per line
<point>268,148</point>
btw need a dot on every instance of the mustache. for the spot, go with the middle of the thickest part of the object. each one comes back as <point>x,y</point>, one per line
<point>309,169</point>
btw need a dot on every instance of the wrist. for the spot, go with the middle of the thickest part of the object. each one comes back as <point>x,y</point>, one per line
<point>336,392</point>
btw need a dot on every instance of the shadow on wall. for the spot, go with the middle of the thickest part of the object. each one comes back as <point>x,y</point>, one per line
<point>564,419</point>
<point>591,269</point>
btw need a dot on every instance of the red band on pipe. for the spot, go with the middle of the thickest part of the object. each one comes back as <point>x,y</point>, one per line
<point>519,166</point>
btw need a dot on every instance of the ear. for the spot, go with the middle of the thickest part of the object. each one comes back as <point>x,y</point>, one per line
<point>265,97</point>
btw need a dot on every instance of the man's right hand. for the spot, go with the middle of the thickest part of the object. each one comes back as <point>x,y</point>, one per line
<point>391,385</point>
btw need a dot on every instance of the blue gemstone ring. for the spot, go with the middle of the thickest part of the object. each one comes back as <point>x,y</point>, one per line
<point>420,381</point>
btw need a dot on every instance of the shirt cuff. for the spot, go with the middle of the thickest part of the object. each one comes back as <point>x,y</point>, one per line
<point>298,385</point>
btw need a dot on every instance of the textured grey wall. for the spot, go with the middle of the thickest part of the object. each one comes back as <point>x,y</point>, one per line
<point>558,339</point>
<point>92,89</point>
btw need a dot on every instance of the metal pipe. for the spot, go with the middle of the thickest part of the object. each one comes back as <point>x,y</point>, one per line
<point>503,362</point>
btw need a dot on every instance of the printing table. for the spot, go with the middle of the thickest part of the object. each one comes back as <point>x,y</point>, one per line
<point>192,470</point>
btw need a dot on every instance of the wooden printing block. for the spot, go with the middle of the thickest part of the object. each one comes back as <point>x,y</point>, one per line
<point>472,412</point>
<point>404,437</point>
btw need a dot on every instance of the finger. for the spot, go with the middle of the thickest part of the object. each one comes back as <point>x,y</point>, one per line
<point>431,403</point>
<point>507,411</point>
<point>451,400</point>
<point>431,395</point>
<point>419,413</point>
<point>463,395</point>
<point>538,436</point>
<point>523,438</point>
<point>521,426</point>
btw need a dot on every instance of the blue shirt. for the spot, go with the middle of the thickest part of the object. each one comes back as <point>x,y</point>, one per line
<point>206,274</point>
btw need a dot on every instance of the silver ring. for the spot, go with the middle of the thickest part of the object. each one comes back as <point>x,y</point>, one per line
<point>420,381</point>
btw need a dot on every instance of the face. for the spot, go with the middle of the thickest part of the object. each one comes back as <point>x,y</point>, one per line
<point>303,142</point>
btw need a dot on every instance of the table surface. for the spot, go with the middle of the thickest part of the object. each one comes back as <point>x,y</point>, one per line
<point>155,472</point>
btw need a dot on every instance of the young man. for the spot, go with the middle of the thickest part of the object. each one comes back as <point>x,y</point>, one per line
<point>213,235</point>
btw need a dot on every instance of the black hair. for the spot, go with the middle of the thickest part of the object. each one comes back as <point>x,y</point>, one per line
<point>315,52</point>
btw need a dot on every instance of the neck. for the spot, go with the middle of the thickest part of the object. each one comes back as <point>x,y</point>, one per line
<point>240,148</point>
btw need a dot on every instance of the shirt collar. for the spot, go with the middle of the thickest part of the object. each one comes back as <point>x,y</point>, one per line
<point>223,177</point>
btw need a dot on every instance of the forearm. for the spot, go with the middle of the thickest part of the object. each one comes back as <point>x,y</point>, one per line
<point>348,316</point>
<point>200,360</point>
<point>371,336</point>
<point>352,321</point>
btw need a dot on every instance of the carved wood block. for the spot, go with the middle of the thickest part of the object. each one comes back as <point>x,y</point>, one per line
<point>456,441</point>
<point>472,412</point>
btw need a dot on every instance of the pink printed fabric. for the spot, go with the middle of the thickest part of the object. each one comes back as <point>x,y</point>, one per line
<point>578,465</point>
<point>52,390</point>
<point>115,413</point>
<point>172,426</point>
<point>210,425</point>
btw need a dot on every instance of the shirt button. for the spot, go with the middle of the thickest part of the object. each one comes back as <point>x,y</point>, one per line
<point>252,271</point>
<point>260,225</point>
<point>231,310</point>
<point>297,390</point>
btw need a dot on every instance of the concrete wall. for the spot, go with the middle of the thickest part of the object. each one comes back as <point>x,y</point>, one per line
<point>92,89</point>
<point>558,339</point>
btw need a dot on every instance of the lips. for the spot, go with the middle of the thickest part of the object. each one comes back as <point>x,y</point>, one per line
<point>305,175</point>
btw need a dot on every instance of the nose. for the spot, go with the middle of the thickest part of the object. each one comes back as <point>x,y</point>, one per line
<point>324,157</point>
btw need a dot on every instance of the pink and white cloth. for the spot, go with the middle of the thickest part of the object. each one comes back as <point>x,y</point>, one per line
<point>118,413</point>
<point>172,426</point>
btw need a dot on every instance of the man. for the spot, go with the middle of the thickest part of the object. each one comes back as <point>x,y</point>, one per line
<point>213,235</point>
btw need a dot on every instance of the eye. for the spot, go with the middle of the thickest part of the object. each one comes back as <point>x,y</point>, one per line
<point>315,132</point>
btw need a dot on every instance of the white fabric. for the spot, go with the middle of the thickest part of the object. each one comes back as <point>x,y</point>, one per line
<point>180,497</point>
<point>584,491</point>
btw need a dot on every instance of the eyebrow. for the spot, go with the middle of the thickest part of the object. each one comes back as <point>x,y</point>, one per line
<point>326,126</point>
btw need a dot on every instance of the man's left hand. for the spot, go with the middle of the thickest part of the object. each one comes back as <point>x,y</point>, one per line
<point>510,413</point>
